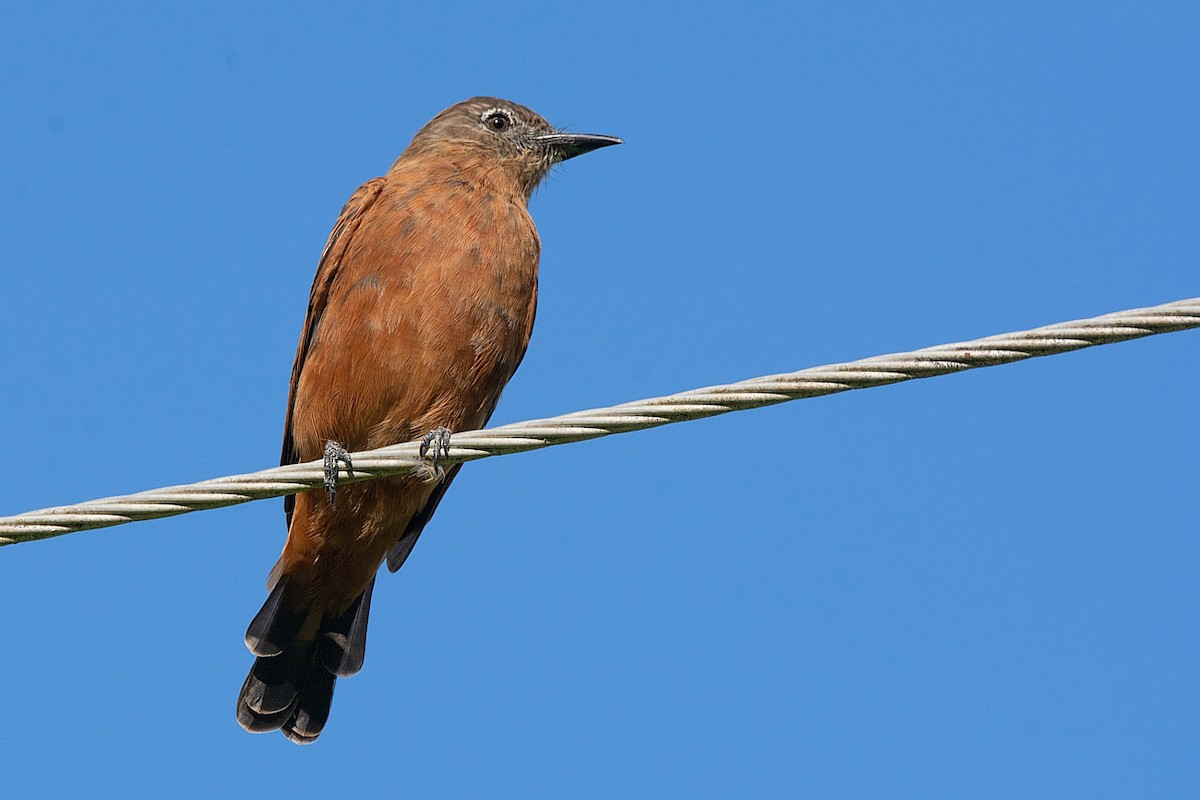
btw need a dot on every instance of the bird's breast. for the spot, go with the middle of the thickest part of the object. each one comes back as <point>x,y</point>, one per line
<point>429,317</point>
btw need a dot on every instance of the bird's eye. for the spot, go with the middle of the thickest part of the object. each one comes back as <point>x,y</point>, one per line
<point>497,121</point>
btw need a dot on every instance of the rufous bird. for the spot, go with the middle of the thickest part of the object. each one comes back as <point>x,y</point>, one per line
<point>420,312</point>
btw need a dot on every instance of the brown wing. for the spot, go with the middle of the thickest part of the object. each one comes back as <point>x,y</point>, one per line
<point>404,545</point>
<point>327,269</point>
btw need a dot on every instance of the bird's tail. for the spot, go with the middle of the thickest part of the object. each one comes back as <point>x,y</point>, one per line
<point>301,652</point>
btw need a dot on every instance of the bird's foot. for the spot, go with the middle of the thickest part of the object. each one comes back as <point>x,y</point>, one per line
<point>334,453</point>
<point>436,446</point>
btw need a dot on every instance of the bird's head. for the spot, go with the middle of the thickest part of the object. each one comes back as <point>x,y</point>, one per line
<point>507,135</point>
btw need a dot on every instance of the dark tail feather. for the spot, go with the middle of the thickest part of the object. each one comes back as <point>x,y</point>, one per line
<point>344,638</point>
<point>267,700</point>
<point>276,623</point>
<point>290,685</point>
<point>308,718</point>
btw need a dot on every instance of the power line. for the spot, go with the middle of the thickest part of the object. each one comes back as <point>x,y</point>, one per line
<point>580,425</point>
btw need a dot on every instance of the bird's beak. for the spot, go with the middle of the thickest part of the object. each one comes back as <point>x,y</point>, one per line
<point>569,145</point>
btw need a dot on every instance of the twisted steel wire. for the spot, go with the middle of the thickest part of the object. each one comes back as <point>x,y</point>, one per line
<point>637,415</point>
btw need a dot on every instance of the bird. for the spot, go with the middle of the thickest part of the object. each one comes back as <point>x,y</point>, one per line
<point>420,312</point>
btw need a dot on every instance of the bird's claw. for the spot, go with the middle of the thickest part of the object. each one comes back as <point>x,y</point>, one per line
<point>437,441</point>
<point>334,453</point>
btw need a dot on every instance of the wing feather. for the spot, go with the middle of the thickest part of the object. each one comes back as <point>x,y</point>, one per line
<point>327,270</point>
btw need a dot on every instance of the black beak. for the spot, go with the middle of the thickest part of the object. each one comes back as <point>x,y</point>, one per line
<point>569,145</point>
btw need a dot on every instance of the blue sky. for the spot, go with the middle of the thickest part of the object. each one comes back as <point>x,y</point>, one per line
<point>982,585</point>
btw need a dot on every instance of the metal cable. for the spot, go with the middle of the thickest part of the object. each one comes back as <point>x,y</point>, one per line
<point>695,404</point>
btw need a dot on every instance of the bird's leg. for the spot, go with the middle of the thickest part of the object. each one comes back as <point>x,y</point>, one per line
<point>334,452</point>
<point>437,440</point>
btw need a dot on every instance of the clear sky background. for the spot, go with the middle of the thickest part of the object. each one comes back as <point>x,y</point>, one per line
<point>983,585</point>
